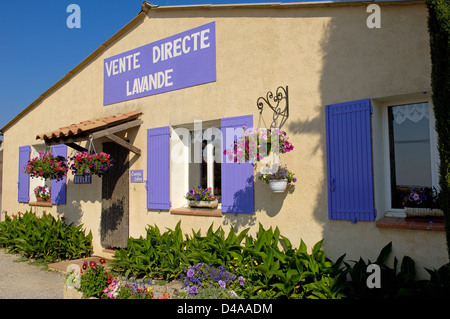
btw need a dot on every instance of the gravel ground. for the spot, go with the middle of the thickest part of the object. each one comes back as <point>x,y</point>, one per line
<point>21,280</point>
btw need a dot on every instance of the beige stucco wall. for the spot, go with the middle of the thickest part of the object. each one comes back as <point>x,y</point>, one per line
<point>325,54</point>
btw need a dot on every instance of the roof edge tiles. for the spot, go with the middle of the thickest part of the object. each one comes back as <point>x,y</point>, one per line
<point>90,126</point>
<point>151,6</point>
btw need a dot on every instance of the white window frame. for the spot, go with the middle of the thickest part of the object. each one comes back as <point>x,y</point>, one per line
<point>179,170</point>
<point>381,144</point>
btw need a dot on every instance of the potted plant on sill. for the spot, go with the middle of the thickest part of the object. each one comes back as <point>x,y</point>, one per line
<point>279,180</point>
<point>47,166</point>
<point>422,202</point>
<point>86,163</point>
<point>203,198</point>
<point>42,193</point>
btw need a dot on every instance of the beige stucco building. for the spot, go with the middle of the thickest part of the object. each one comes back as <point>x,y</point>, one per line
<point>350,89</point>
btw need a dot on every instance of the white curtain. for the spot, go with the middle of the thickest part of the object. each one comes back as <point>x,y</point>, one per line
<point>413,112</point>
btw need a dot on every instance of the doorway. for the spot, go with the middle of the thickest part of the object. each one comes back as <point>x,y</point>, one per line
<point>114,224</point>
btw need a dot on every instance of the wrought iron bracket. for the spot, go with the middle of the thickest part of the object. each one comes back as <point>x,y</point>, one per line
<point>276,102</point>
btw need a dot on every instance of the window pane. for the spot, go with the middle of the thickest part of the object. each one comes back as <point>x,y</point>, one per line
<point>199,165</point>
<point>410,149</point>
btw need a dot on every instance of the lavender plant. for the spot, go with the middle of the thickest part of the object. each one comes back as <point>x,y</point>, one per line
<point>202,276</point>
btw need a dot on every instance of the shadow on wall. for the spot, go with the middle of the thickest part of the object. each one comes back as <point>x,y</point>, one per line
<point>114,226</point>
<point>73,211</point>
<point>241,220</point>
<point>271,204</point>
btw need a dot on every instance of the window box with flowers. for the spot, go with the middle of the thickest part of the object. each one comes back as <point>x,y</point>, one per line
<point>86,163</point>
<point>42,194</point>
<point>202,198</point>
<point>422,202</point>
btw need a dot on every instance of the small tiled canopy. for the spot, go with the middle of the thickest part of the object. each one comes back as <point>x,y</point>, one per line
<point>95,128</point>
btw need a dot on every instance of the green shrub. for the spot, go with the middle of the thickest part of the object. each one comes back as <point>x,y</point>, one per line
<point>396,283</point>
<point>268,266</point>
<point>93,280</point>
<point>44,238</point>
<point>439,31</point>
<point>274,268</point>
<point>393,284</point>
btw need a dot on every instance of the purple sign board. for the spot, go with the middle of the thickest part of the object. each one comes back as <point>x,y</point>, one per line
<point>82,179</point>
<point>137,176</point>
<point>179,61</point>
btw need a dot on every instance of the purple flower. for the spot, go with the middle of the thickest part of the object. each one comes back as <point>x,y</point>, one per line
<point>222,284</point>
<point>190,273</point>
<point>193,290</point>
<point>241,280</point>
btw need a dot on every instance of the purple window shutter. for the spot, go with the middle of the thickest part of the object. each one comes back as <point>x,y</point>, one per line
<point>59,188</point>
<point>158,168</point>
<point>237,178</point>
<point>24,179</point>
<point>349,161</point>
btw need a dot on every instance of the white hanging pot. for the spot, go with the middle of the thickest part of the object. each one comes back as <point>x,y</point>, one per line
<point>278,185</point>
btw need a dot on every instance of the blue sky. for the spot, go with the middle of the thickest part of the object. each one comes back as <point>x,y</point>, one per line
<point>37,48</point>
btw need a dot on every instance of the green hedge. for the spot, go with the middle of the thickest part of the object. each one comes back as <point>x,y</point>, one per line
<point>45,238</point>
<point>439,30</point>
<point>272,267</point>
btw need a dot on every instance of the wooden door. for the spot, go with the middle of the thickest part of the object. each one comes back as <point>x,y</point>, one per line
<point>114,226</point>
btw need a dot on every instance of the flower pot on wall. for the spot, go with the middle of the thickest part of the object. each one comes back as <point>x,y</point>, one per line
<point>42,200</point>
<point>278,185</point>
<point>203,204</point>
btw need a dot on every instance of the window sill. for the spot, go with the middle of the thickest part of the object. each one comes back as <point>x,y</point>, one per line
<point>197,212</point>
<point>404,223</point>
<point>43,204</point>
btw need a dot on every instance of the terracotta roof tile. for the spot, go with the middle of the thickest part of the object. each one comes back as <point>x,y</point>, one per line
<point>90,125</point>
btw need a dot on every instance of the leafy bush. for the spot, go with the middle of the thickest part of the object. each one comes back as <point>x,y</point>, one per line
<point>156,256</point>
<point>268,266</point>
<point>44,238</point>
<point>396,283</point>
<point>272,271</point>
<point>93,280</point>
<point>291,272</point>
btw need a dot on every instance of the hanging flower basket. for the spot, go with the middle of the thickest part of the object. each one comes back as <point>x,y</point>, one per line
<point>47,166</point>
<point>42,193</point>
<point>279,180</point>
<point>86,163</point>
<point>202,198</point>
<point>278,185</point>
<point>256,143</point>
